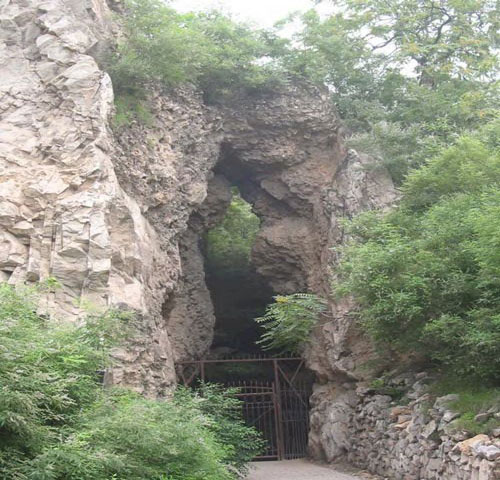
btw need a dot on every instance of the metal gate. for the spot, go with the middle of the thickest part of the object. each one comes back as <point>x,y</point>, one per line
<point>277,407</point>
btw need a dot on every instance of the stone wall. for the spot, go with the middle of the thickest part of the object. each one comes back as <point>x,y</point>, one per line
<point>413,438</point>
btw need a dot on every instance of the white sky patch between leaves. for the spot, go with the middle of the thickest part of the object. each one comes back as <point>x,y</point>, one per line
<point>263,13</point>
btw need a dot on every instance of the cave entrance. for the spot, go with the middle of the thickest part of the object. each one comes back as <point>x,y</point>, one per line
<point>274,388</point>
<point>239,294</point>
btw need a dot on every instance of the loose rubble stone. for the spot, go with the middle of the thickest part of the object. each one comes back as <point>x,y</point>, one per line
<point>449,416</point>
<point>418,448</point>
<point>482,417</point>
<point>467,446</point>
<point>490,452</point>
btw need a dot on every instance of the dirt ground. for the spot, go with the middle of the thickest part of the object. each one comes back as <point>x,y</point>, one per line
<point>296,470</point>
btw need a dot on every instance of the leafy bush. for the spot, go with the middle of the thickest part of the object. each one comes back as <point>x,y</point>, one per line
<point>48,370</point>
<point>207,49</point>
<point>242,443</point>
<point>130,437</point>
<point>58,423</point>
<point>288,321</point>
<point>426,274</point>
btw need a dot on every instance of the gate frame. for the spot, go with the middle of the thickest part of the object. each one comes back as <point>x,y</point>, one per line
<point>278,373</point>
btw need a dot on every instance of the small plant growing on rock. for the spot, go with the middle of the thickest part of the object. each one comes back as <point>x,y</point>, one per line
<point>288,321</point>
<point>382,387</point>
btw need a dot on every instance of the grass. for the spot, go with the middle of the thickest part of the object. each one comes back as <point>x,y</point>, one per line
<point>381,387</point>
<point>473,399</point>
<point>130,107</point>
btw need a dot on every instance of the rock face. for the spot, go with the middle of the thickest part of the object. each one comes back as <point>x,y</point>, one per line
<point>63,212</point>
<point>416,439</point>
<point>116,217</point>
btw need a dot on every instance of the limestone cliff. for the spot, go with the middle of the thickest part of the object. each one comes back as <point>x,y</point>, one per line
<point>116,217</point>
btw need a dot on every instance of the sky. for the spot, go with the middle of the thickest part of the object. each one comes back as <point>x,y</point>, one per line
<point>261,12</point>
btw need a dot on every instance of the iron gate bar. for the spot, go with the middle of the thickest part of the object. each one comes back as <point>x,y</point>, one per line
<point>278,409</point>
<point>259,412</point>
<point>191,378</point>
<point>289,383</point>
<point>297,370</point>
<point>279,425</point>
<point>232,360</point>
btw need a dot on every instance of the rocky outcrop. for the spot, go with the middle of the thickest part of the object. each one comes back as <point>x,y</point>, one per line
<point>338,350</point>
<point>190,313</point>
<point>415,437</point>
<point>116,216</point>
<point>63,211</point>
<point>77,203</point>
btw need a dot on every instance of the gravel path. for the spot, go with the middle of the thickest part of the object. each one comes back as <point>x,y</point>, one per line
<point>294,470</point>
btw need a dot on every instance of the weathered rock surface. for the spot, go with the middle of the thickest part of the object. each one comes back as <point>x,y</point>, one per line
<point>64,214</point>
<point>116,217</point>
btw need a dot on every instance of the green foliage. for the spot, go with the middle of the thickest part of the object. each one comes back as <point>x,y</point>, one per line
<point>47,370</point>
<point>407,76</point>
<point>426,274</point>
<point>130,107</point>
<point>242,443</point>
<point>381,387</point>
<point>473,399</point>
<point>229,244</point>
<point>288,321</point>
<point>468,423</point>
<point>452,38</point>
<point>58,423</point>
<point>129,437</point>
<point>161,45</point>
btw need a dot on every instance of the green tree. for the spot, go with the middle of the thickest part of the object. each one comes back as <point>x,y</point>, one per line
<point>426,274</point>
<point>408,76</point>
<point>288,322</point>
<point>435,38</point>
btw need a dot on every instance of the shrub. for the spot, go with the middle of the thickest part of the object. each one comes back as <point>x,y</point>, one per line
<point>48,370</point>
<point>58,423</point>
<point>426,275</point>
<point>129,437</point>
<point>160,45</point>
<point>288,321</point>
<point>242,443</point>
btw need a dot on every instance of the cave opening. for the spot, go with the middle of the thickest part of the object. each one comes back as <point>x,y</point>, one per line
<point>239,294</point>
<point>274,390</point>
<point>241,270</point>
